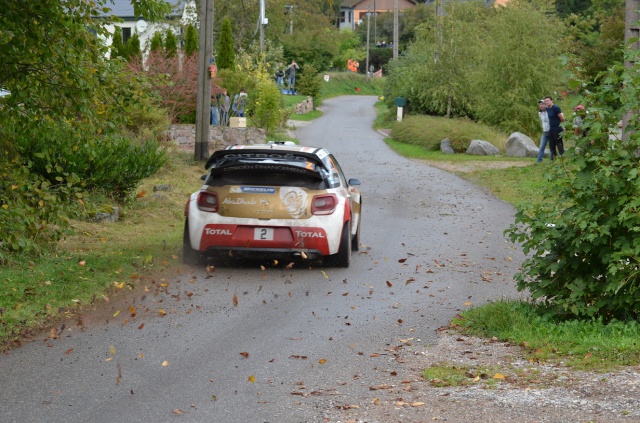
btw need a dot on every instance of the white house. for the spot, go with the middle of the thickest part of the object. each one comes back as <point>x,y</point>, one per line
<point>183,12</point>
<point>352,12</point>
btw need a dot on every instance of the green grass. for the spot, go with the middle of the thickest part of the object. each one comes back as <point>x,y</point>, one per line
<point>345,83</point>
<point>102,258</point>
<point>589,345</point>
<point>307,117</point>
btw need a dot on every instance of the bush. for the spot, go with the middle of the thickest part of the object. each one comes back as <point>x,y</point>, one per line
<point>309,82</point>
<point>583,246</point>
<point>111,163</point>
<point>267,106</point>
<point>429,131</point>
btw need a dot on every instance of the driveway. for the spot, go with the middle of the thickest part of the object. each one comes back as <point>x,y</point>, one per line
<point>271,344</point>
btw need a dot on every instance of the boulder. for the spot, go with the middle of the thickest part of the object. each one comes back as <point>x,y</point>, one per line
<point>445,146</point>
<point>482,148</point>
<point>520,145</point>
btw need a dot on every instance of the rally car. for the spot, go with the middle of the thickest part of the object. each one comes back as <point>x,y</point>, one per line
<point>276,201</point>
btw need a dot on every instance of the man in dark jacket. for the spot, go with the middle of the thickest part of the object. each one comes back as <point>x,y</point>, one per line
<point>555,130</point>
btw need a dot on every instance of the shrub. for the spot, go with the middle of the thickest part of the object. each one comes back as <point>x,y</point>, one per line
<point>309,82</point>
<point>583,245</point>
<point>267,106</point>
<point>429,131</point>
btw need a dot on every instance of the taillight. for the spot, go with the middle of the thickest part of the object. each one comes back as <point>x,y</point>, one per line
<point>208,201</point>
<point>324,204</point>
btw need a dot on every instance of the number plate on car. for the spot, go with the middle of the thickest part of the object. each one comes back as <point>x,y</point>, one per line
<point>263,234</point>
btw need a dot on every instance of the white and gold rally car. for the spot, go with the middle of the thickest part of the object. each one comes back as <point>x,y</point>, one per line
<point>275,200</point>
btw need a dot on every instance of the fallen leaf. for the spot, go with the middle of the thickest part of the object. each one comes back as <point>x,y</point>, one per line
<point>141,194</point>
<point>389,284</point>
<point>132,311</point>
<point>244,354</point>
<point>141,326</point>
<point>303,255</point>
<point>162,313</point>
<point>402,260</point>
<point>235,300</point>
<point>69,351</point>
<point>417,404</point>
<point>289,266</point>
<point>177,411</point>
<point>112,350</point>
<point>165,363</point>
<point>322,361</point>
<point>498,376</point>
<point>263,268</point>
<point>467,303</point>
<point>252,379</point>
<point>52,334</point>
<point>325,275</point>
<point>376,401</point>
<point>82,262</point>
<point>116,313</point>
<point>588,355</point>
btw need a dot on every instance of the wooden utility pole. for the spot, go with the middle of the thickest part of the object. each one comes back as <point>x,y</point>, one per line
<point>631,31</point>
<point>368,31</point>
<point>203,109</point>
<point>395,29</point>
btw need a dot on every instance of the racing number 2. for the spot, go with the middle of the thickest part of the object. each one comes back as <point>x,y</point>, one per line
<point>263,234</point>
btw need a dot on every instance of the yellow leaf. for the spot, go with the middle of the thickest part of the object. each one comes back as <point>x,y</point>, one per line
<point>177,411</point>
<point>116,313</point>
<point>82,262</point>
<point>376,401</point>
<point>108,359</point>
<point>41,203</point>
<point>118,285</point>
<point>262,268</point>
<point>112,350</point>
<point>140,355</point>
<point>498,376</point>
<point>303,255</point>
<point>275,262</point>
<point>325,275</point>
<point>252,379</point>
<point>417,404</point>
<point>165,363</point>
<point>467,303</point>
<point>161,312</point>
<point>322,361</point>
<point>235,300</point>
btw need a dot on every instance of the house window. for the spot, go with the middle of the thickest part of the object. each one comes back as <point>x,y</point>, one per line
<point>342,17</point>
<point>126,34</point>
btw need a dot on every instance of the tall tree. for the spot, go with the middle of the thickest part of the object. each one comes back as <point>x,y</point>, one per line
<point>226,53</point>
<point>117,46</point>
<point>191,40</point>
<point>157,44</point>
<point>171,44</point>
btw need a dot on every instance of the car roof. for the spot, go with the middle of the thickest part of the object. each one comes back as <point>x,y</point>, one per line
<point>310,152</point>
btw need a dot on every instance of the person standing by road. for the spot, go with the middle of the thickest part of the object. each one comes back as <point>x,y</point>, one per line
<point>544,119</point>
<point>239,103</point>
<point>225,105</point>
<point>555,130</point>
<point>291,76</point>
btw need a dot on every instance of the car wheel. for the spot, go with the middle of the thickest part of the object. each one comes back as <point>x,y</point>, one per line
<point>189,255</point>
<point>343,257</point>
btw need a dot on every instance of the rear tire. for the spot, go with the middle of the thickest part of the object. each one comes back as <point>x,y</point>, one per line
<point>355,243</point>
<point>343,257</point>
<point>189,255</point>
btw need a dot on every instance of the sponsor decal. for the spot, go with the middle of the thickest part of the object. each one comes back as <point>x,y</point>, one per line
<point>252,190</point>
<point>309,234</point>
<point>294,201</point>
<point>266,167</point>
<point>239,201</point>
<point>264,156</point>
<point>211,231</point>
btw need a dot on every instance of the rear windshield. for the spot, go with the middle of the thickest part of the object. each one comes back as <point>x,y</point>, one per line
<point>268,169</point>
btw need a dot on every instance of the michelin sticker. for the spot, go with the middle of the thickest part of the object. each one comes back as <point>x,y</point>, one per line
<point>294,201</point>
<point>252,190</point>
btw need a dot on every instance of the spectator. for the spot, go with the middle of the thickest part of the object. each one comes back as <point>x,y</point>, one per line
<point>215,117</point>
<point>544,119</point>
<point>239,103</point>
<point>291,76</point>
<point>555,130</point>
<point>225,104</point>
<point>280,78</point>
<point>578,123</point>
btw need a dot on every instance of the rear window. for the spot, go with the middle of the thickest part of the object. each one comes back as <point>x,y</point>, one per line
<point>273,169</point>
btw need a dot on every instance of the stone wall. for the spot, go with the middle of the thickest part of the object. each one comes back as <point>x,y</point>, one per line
<point>305,107</point>
<point>184,136</point>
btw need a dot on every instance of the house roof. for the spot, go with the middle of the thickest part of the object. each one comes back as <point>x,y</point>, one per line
<point>350,4</point>
<point>124,8</point>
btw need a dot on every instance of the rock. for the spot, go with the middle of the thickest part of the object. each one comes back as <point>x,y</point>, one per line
<point>305,106</point>
<point>520,145</point>
<point>162,187</point>
<point>482,148</point>
<point>445,146</point>
<point>113,216</point>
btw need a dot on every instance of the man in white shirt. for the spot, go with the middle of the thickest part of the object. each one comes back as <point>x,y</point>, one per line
<point>544,119</point>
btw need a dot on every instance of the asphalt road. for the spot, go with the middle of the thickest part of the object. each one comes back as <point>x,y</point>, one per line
<point>243,344</point>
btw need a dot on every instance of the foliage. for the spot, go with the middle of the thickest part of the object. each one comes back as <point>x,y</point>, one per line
<point>349,46</point>
<point>117,46</point>
<point>517,44</point>
<point>226,56</point>
<point>583,247</point>
<point>132,49</point>
<point>174,80</point>
<point>156,43</point>
<point>309,82</point>
<point>348,83</point>
<point>317,48</point>
<point>191,40</point>
<point>479,62</point>
<point>268,106</point>
<point>171,44</point>
<point>428,131</point>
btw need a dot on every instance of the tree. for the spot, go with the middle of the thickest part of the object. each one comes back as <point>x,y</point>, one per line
<point>156,44</point>
<point>226,53</point>
<point>132,48</point>
<point>191,40</point>
<point>171,44</point>
<point>117,46</point>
